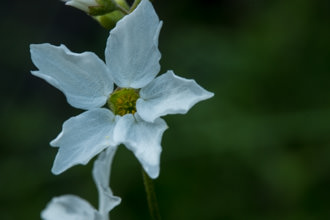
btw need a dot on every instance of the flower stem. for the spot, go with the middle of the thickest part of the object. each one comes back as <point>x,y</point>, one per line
<point>122,9</point>
<point>134,5</point>
<point>151,196</point>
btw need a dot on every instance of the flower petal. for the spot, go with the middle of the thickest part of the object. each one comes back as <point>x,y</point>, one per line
<point>143,139</point>
<point>132,53</point>
<point>82,4</point>
<point>169,94</point>
<point>101,175</point>
<point>68,207</point>
<point>83,137</point>
<point>83,78</point>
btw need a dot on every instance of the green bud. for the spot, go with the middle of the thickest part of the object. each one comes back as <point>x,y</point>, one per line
<point>108,21</point>
<point>103,7</point>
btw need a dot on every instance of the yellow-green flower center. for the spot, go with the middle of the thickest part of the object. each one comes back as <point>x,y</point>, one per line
<point>123,101</point>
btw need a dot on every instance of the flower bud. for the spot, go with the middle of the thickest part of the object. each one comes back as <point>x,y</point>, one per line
<point>109,21</point>
<point>93,7</point>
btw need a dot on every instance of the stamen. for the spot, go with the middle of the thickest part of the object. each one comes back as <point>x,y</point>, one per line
<point>123,101</point>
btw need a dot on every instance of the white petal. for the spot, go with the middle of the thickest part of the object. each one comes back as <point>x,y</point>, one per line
<point>83,78</point>
<point>169,94</point>
<point>81,4</point>
<point>143,139</point>
<point>83,137</point>
<point>132,53</point>
<point>68,207</point>
<point>78,5</point>
<point>101,175</point>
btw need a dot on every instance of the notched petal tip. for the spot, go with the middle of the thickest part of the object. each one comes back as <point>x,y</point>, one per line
<point>55,142</point>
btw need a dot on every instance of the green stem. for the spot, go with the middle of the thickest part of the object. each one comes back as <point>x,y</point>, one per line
<point>134,5</point>
<point>122,3</point>
<point>122,9</point>
<point>151,196</point>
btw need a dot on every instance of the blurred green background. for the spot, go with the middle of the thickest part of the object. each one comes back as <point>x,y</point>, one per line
<point>259,149</point>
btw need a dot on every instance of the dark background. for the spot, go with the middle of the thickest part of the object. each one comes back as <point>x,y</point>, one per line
<point>259,149</point>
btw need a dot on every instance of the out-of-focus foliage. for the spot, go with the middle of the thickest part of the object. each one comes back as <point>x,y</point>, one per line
<point>259,149</point>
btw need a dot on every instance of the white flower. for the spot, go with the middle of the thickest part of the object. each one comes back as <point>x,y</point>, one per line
<point>132,63</point>
<point>71,207</point>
